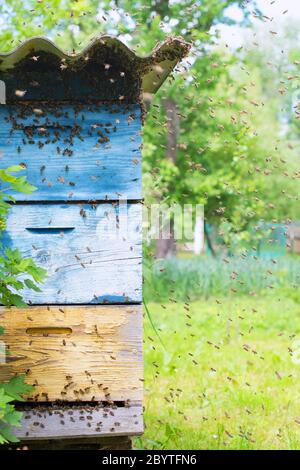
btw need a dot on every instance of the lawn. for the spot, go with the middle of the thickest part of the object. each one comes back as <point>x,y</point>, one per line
<point>227,377</point>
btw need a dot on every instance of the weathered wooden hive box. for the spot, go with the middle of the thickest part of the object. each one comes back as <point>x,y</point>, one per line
<point>74,123</point>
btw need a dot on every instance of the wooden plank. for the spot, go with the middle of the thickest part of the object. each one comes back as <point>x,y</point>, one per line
<point>87,260</point>
<point>97,443</point>
<point>74,152</point>
<point>81,422</point>
<point>101,360</point>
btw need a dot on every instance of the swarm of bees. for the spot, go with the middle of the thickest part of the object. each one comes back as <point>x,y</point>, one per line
<point>119,84</point>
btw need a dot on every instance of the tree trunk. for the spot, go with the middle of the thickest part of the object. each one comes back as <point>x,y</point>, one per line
<point>209,242</point>
<point>167,247</point>
<point>162,7</point>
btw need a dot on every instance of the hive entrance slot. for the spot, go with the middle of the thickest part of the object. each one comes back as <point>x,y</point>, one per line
<point>48,331</point>
<point>49,230</point>
<point>61,405</point>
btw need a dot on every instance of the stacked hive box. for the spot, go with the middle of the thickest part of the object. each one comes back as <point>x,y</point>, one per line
<point>74,123</point>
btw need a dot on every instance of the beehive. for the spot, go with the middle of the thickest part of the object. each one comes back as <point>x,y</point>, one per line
<point>74,123</point>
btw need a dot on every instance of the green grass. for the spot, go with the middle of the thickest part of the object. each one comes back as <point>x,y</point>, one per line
<point>205,276</point>
<point>227,378</point>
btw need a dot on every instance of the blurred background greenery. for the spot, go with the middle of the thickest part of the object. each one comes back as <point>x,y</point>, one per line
<point>221,350</point>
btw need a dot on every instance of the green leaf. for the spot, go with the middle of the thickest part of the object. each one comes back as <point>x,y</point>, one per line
<point>24,264</point>
<point>6,177</point>
<point>37,273</point>
<point>17,387</point>
<point>14,168</point>
<point>31,285</point>
<point>4,400</point>
<point>6,435</point>
<point>23,187</point>
<point>13,417</point>
<point>17,301</point>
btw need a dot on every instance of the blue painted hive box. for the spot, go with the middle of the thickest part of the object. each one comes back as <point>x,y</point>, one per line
<point>74,124</point>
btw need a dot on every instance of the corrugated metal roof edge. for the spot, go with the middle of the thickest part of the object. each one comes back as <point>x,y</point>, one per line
<point>153,68</point>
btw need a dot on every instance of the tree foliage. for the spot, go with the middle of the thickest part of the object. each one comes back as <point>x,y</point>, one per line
<point>16,273</point>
